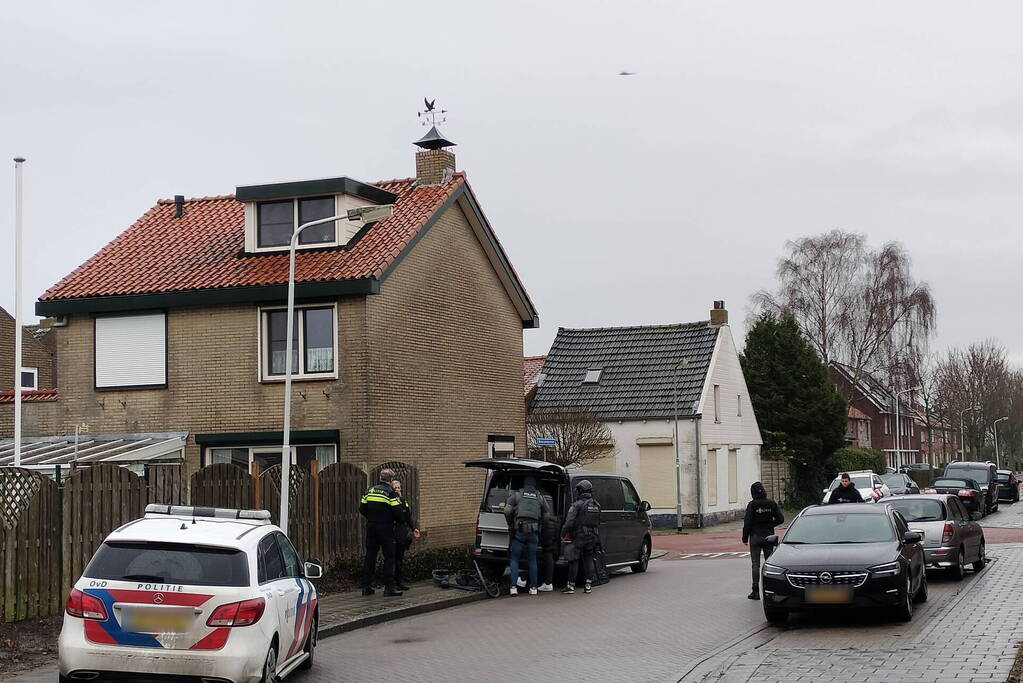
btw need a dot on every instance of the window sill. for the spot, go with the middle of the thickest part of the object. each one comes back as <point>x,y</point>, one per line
<point>130,387</point>
<point>300,378</point>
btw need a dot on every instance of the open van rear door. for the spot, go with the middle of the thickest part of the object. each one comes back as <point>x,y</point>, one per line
<point>503,464</point>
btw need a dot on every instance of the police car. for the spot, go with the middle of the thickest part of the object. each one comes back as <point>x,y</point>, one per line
<point>191,594</point>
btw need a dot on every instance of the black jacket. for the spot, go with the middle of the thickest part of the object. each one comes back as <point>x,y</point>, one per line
<point>381,506</point>
<point>762,516</point>
<point>404,525</point>
<point>845,495</point>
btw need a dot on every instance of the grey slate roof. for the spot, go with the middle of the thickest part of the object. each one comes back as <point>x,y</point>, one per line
<point>638,366</point>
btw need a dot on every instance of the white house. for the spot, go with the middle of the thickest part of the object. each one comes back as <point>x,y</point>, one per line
<point>647,382</point>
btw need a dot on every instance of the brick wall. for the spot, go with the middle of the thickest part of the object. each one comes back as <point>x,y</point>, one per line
<point>434,166</point>
<point>35,354</point>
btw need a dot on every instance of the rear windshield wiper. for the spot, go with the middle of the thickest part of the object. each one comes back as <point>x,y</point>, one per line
<point>152,578</point>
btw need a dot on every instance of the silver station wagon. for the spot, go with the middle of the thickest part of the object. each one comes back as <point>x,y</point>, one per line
<point>951,538</point>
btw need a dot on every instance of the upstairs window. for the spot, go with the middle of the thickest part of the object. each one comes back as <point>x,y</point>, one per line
<point>30,378</point>
<point>314,342</point>
<point>276,221</point>
<point>131,351</point>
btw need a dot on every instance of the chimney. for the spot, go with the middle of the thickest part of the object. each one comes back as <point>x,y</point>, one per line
<point>179,205</point>
<point>719,314</point>
<point>434,163</point>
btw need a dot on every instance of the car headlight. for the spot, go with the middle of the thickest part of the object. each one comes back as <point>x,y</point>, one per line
<point>888,569</point>
<point>773,570</point>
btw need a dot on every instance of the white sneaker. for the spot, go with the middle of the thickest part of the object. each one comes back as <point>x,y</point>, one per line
<point>513,591</point>
<point>532,591</point>
<point>521,583</point>
<point>546,588</point>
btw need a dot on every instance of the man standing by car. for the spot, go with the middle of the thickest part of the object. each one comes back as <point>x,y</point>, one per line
<point>580,528</point>
<point>525,511</point>
<point>762,516</point>
<point>405,529</point>
<point>846,492</point>
<point>381,507</point>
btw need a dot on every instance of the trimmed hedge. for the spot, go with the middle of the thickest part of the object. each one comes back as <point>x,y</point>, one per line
<point>419,564</point>
<point>853,458</point>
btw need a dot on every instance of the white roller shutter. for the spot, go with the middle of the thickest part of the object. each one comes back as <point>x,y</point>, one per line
<point>131,350</point>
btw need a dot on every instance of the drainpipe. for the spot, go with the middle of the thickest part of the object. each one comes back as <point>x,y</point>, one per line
<point>699,477</point>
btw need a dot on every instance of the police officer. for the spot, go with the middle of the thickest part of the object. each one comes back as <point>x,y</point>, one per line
<point>405,530</point>
<point>526,510</point>
<point>382,508</point>
<point>581,524</point>
<point>762,516</point>
<point>846,491</point>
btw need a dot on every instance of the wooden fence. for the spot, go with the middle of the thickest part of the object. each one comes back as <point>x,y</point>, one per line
<point>49,531</point>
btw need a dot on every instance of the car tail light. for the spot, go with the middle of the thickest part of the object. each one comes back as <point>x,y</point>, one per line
<point>479,533</point>
<point>946,533</point>
<point>965,493</point>
<point>244,613</point>
<point>85,606</point>
<point>930,490</point>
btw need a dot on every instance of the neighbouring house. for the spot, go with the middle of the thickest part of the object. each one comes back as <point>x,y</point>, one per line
<point>408,332</point>
<point>648,383</point>
<point>38,376</point>
<point>531,367</point>
<point>940,444</point>
<point>875,416</point>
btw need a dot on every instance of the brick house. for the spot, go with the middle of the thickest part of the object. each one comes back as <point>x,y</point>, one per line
<point>408,334</point>
<point>38,373</point>
<point>637,381</point>
<point>872,416</point>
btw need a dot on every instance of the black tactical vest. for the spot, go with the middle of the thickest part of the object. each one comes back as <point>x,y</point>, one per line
<point>589,515</point>
<point>528,509</point>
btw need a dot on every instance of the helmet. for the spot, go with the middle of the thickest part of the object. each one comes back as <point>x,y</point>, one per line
<point>584,486</point>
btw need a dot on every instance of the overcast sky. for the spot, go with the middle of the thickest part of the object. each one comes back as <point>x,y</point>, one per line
<point>620,200</point>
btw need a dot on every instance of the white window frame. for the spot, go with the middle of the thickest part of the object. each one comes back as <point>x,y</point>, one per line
<point>35,378</point>
<point>253,450</point>
<point>344,230</point>
<point>264,358</point>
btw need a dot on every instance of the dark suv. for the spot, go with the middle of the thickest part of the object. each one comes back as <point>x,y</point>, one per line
<point>984,473</point>
<point>624,526</point>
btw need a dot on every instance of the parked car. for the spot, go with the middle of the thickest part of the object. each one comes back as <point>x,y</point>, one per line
<point>900,484</point>
<point>1008,486</point>
<point>967,490</point>
<point>191,593</point>
<point>849,555</point>
<point>915,466</point>
<point>951,537</point>
<point>870,486</point>
<point>984,474</point>
<point>624,526</point>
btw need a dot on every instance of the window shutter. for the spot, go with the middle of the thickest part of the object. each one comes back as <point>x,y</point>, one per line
<point>131,350</point>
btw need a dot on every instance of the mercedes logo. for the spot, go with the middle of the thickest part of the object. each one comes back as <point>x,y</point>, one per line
<point>158,597</point>
<point>826,577</point>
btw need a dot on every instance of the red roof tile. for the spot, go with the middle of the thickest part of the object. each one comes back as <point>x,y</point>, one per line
<point>30,396</point>
<point>205,248</point>
<point>531,365</point>
<point>857,414</point>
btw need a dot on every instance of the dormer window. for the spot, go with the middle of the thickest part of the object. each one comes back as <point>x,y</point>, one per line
<point>276,221</point>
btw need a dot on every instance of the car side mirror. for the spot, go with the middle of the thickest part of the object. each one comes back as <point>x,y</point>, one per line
<point>912,537</point>
<point>313,569</point>
<point>878,486</point>
<point>771,540</point>
<point>644,506</point>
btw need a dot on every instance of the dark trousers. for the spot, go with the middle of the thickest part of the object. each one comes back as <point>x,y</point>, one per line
<point>379,538</point>
<point>583,556</point>
<point>757,546</point>
<point>528,541</point>
<point>399,561</point>
<point>548,557</point>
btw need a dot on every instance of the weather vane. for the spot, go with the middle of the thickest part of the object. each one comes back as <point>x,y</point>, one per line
<point>430,115</point>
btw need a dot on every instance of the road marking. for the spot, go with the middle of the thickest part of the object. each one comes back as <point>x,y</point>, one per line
<point>710,556</point>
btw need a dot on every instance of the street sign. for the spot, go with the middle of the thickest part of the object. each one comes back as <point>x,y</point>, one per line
<point>546,442</point>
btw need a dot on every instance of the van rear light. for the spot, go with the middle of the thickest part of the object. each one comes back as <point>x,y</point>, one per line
<point>946,533</point>
<point>479,533</point>
<point>965,493</point>
<point>244,613</point>
<point>930,491</point>
<point>85,606</point>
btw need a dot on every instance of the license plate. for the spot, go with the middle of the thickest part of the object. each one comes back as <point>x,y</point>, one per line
<point>156,621</point>
<point>834,595</point>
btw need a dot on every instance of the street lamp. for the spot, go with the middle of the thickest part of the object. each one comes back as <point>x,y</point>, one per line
<point>367,214</point>
<point>994,428</point>
<point>18,202</point>
<point>898,426</point>
<point>962,427</point>
<point>679,367</point>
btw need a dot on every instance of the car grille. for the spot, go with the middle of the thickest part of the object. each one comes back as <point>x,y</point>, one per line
<point>854,579</point>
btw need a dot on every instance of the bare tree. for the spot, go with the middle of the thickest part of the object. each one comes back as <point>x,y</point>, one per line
<point>856,305</point>
<point>974,386</point>
<point>579,437</point>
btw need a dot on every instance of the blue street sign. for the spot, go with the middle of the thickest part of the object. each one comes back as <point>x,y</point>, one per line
<point>546,442</point>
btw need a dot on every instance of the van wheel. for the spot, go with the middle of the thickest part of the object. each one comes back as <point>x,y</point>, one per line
<point>644,558</point>
<point>270,666</point>
<point>310,645</point>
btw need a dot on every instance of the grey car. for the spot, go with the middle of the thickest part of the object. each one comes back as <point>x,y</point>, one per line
<point>900,484</point>
<point>951,538</point>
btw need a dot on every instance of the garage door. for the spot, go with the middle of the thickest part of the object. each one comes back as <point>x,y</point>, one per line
<point>657,481</point>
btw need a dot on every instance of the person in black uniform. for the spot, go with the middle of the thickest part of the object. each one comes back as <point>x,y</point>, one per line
<point>525,511</point>
<point>762,516</point>
<point>550,542</point>
<point>405,530</point>
<point>581,522</point>
<point>382,508</point>
<point>846,491</point>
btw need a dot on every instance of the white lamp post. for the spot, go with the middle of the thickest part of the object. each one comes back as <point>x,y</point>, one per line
<point>18,161</point>
<point>367,214</point>
<point>682,365</point>
<point>994,428</point>
<point>898,425</point>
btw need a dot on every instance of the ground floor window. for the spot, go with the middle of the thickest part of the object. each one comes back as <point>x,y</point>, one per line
<point>268,456</point>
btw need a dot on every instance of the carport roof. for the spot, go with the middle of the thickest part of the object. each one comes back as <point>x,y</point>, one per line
<point>45,452</point>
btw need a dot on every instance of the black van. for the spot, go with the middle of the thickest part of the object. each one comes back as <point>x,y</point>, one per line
<point>984,473</point>
<point>624,525</point>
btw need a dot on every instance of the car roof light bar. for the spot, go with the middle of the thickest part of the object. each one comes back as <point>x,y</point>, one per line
<point>219,513</point>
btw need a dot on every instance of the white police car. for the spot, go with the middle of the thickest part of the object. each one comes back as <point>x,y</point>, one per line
<point>191,594</point>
